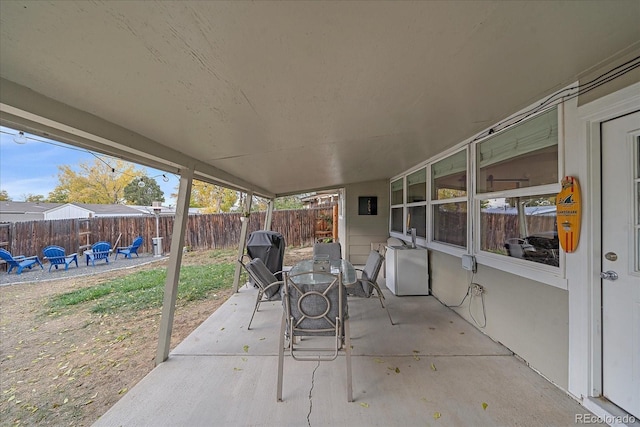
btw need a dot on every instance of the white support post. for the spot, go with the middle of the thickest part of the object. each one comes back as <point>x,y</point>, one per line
<point>173,269</point>
<point>269,217</point>
<point>246,211</point>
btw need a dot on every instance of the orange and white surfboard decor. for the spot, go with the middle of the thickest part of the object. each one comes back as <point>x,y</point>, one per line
<point>569,212</point>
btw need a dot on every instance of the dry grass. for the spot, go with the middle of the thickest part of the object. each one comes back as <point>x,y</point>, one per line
<point>69,369</point>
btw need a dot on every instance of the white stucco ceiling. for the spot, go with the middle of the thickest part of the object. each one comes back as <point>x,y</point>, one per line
<point>291,96</point>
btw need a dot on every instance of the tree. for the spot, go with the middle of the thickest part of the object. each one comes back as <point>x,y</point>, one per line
<point>259,204</point>
<point>38,198</point>
<point>94,183</point>
<point>144,195</point>
<point>4,196</point>
<point>212,198</point>
<point>288,202</point>
<point>58,195</point>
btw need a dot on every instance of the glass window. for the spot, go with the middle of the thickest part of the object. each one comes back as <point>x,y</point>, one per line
<point>417,186</point>
<point>523,156</point>
<point>521,227</point>
<point>449,200</point>
<point>397,218</point>
<point>417,218</point>
<point>450,223</point>
<point>397,192</point>
<point>449,177</point>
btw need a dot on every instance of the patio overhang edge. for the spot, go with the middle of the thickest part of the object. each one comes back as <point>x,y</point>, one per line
<point>26,110</point>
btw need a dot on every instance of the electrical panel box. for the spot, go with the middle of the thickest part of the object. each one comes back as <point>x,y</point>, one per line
<point>469,262</point>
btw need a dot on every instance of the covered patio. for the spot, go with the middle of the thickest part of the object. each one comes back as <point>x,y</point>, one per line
<point>401,104</point>
<point>431,368</point>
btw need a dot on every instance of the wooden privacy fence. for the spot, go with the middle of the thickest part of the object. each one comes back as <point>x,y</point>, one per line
<point>496,228</point>
<point>209,231</point>
<point>222,231</point>
<point>500,227</point>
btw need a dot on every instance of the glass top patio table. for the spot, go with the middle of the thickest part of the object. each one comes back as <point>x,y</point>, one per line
<point>343,266</point>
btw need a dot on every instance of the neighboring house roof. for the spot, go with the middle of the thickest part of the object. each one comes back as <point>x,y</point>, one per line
<point>24,211</point>
<point>320,197</point>
<point>10,207</point>
<point>30,211</point>
<point>164,210</point>
<point>110,210</point>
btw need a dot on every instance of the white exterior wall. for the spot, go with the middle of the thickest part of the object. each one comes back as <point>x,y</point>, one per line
<point>365,229</point>
<point>68,211</point>
<point>528,317</point>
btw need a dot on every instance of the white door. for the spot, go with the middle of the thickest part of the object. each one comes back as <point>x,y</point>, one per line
<point>621,257</point>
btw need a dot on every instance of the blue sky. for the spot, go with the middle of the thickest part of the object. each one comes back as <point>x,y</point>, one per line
<point>32,168</point>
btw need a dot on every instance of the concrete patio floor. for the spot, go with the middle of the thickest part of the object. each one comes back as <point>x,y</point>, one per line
<point>431,369</point>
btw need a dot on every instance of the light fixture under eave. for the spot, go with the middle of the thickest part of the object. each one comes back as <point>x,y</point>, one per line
<point>165,178</point>
<point>19,138</point>
<point>141,183</point>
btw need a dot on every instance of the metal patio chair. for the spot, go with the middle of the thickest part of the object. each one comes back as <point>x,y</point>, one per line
<point>334,250</point>
<point>268,285</point>
<point>317,309</point>
<point>368,280</point>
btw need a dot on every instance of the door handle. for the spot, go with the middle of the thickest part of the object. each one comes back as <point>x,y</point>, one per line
<point>609,275</point>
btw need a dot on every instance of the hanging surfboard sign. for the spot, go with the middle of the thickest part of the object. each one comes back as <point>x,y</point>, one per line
<point>569,212</point>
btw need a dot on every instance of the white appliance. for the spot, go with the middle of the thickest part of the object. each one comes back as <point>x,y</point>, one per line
<point>407,270</point>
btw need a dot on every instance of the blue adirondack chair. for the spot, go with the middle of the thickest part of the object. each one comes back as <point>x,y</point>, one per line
<point>100,250</point>
<point>128,250</point>
<point>20,262</point>
<point>56,256</point>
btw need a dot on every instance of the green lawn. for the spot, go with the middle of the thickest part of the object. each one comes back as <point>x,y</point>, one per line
<point>144,289</point>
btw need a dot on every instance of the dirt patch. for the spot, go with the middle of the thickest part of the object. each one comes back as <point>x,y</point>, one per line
<point>69,369</point>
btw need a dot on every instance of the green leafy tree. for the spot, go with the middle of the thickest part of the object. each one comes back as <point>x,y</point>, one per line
<point>212,198</point>
<point>4,196</point>
<point>58,195</point>
<point>258,204</point>
<point>288,202</point>
<point>94,183</point>
<point>38,198</point>
<point>143,195</point>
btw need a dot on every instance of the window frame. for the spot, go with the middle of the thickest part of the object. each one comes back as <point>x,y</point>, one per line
<point>551,275</point>
<point>538,272</point>
<point>405,235</point>
<point>420,203</point>
<point>436,244</point>
<point>397,205</point>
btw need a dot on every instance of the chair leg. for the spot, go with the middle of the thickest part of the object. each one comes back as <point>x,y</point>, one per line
<point>255,308</point>
<point>381,297</point>
<point>280,360</point>
<point>347,343</point>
